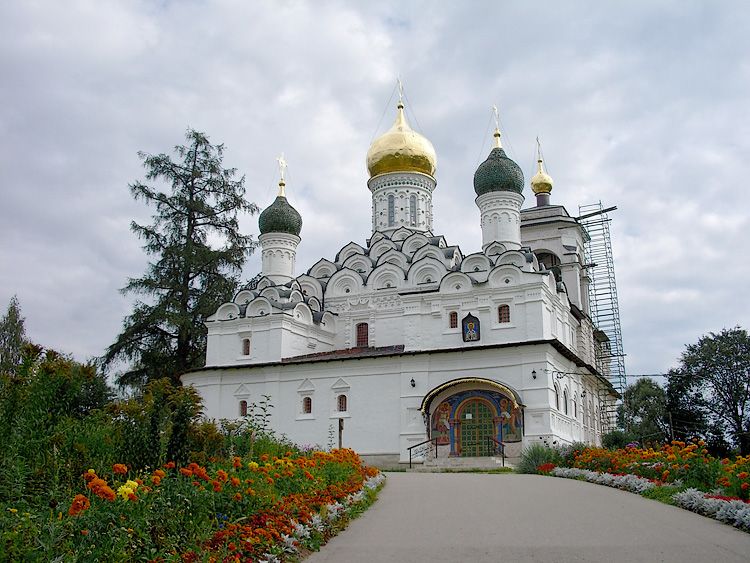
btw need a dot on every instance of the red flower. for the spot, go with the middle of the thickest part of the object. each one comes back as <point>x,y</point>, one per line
<point>80,503</point>
<point>169,465</point>
<point>120,468</point>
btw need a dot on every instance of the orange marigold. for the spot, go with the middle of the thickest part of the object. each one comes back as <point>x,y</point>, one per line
<point>235,482</point>
<point>169,465</point>
<point>745,486</point>
<point>186,472</point>
<point>156,480</point>
<point>236,462</point>
<point>160,473</point>
<point>120,468</point>
<point>79,504</point>
<point>742,475</point>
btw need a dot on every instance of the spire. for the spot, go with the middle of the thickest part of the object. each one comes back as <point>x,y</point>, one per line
<point>497,134</point>
<point>282,169</point>
<point>541,182</point>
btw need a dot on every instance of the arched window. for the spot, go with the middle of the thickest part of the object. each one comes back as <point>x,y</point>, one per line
<point>557,397</point>
<point>307,405</point>
<point>413,210</point>
<point>363,335</point>
<point>243,408</point>
<point>391,210</point>
<point>565,401</point>
<point>503,314</point>
<point>575,406</point>
<point>245,346</point>
<point>341,403</point>
<point>453,319</point>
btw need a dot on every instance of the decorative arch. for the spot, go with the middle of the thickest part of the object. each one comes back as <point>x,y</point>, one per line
<point>258,307</point>
<point>348,251</point>
<point>455,282</point>
<point>506,390</point>
<point>395,257</point>
<point>323,269</point>
<point>476,262</point>
<point>511,257</point>
<point>310,287</point>
<point>386,276</point>
<point>402,233</point>
<point>381,247</point>
<point>227,312</point>
<point>426,270</point>
<point>359,263</point>
<point>244,297</point>
<point>429,250</point>
<point>344,282</point>
<point>500,274</point>
<point>414,243</point>
<point>303,313</point>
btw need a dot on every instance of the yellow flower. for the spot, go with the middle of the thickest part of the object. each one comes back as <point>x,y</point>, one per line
<point>12,510</point>
<point>252,465</point>
<point>124,491</point>
<point>131,484</point>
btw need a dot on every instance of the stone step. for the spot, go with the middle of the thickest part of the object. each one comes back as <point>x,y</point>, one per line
<point>436,465</point>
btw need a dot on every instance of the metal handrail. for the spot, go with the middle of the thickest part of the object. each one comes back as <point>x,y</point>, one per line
<point>498,446</point>
<point>422,444</point>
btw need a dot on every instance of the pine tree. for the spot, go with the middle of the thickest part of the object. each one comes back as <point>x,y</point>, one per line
<point>191,273</point>
<point>12,337</point>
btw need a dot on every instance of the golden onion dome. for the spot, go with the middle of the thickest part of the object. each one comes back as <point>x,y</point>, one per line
<point>401,149</point>
<point>541,182</point>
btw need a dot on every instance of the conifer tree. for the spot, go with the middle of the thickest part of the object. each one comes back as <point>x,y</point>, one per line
<point>197,252</point>
<point>12,337</point>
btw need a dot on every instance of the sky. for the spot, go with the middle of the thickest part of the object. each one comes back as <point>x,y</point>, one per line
<point>638,104</point>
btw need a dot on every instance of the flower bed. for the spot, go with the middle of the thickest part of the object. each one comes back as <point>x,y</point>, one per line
<point>251,510</point>
<point>730,511</point>
<point>706,485</point>
<point>631,483</point>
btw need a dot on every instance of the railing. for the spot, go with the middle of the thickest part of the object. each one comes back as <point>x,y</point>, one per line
<point>433,440</point>
<point>497,446</point>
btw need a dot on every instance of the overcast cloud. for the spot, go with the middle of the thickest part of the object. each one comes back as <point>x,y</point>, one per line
<point>639,104</point>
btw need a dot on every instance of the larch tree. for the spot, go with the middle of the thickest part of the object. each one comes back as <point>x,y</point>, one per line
<point>198,253</point>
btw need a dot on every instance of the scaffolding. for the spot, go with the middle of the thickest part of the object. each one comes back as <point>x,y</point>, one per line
<point>603,304</point>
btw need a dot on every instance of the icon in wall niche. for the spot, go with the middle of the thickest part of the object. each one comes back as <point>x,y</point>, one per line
<point>470,330</point>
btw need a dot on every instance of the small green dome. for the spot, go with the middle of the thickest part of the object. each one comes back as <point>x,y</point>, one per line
<point>280,217</point>
<point>498,174</point>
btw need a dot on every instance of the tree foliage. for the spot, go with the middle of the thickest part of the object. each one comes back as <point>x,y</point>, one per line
<point>198,253</point>
<point>12,337</point>
<point>643,411</point>
<point>712,384</point>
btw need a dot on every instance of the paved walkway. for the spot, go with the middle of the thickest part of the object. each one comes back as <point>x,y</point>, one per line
<point>479,517</point>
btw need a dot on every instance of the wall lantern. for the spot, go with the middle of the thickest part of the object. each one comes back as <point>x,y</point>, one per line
<point>533,373</point>
<point>413,383</point>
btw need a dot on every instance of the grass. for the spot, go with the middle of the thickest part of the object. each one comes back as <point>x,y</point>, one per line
<point>663,494</point>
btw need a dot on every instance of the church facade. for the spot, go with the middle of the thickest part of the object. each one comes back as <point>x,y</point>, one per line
<point>404,339</point>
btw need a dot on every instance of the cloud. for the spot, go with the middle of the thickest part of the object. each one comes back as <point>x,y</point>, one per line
<point>639,105</point>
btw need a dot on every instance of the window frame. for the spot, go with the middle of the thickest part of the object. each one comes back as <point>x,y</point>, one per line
<point>342,399</point>
<point>453,319</point>
<point>362,335</point>
<point>503,313</point>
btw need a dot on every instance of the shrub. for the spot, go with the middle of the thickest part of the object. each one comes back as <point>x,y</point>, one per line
<point>535,455</point>
<point>616,439</point>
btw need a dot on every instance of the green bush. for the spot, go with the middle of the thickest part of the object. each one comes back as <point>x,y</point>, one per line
<point>535,455</point>
<point>617,439</point>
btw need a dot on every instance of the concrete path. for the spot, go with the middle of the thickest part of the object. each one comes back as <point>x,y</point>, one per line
<point>479,517</point>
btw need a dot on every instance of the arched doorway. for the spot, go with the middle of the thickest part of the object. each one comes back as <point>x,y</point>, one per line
<point>477,426</point>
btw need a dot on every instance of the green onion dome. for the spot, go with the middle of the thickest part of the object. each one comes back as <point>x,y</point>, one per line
<point>280,217</point>
<point>498,173</point>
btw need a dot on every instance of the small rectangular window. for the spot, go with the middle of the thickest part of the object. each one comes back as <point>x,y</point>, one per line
<point>307,405</point>
<point>503,314</point>
<point>245,346</point>
<point>363,335</point>
<point>341,403</point>
<point>453,323</point>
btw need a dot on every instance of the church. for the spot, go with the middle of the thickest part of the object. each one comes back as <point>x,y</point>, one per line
<point>405,347</point>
